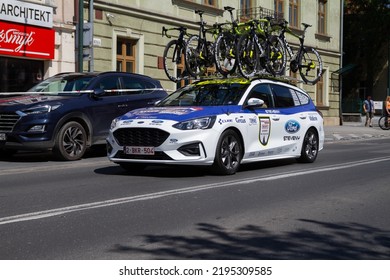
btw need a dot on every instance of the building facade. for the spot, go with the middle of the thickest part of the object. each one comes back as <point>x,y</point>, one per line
<point>127,36</point>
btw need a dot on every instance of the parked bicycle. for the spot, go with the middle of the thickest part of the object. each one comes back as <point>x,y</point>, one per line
<point>199,51</point>
<point>306,60</point>
<point>384,122</point>
<point>259,51</point>
<point>174,55</point>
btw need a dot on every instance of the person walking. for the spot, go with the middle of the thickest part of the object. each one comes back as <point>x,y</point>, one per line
<point>369,110</point>
<point>387,110</point>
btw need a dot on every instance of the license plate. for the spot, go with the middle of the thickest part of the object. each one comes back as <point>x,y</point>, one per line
<point>3,137</point>
<point>136,150</point>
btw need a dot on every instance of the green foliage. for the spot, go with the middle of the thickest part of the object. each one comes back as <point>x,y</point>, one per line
<point>366,37</point>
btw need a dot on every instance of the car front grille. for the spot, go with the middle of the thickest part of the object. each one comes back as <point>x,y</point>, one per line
<point>8,121</point>
<point>147,137</point>
<point>156,156</point>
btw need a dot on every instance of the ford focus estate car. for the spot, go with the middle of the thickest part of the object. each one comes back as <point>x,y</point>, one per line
<point>222,124</point>
<point>69,112</point>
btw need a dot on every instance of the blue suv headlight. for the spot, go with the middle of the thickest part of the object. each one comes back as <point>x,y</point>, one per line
<point>41,109</point>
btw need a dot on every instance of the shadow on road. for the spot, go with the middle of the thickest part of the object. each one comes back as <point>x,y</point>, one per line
<point>332,241</point>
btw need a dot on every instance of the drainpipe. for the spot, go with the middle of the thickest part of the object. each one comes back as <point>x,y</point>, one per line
<point>80,30</point>
<point>341,61</point>
<point>91,17</point>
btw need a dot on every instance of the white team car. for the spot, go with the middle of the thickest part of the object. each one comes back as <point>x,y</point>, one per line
<point>220,123</point>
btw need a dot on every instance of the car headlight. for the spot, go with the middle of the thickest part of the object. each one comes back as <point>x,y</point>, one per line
<point>41,109</point>
<point>201,123</point>
<point>113,123</point>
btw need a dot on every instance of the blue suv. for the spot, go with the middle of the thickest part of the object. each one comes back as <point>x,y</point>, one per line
<point>70,112</point>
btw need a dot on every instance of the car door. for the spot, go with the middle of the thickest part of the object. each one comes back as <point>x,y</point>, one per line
<point>265,124</point>
<point>107,105</point>
<point>291,119</point>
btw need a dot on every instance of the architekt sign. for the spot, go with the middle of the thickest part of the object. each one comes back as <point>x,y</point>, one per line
<point>28,41</point>
<point>26,13</point>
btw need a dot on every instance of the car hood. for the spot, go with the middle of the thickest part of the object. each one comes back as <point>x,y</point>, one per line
<point>31,99</point>
<point>179,113</point>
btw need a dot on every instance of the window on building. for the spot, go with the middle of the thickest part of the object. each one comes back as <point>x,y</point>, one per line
<point>212,3</point>
<point>245,8</point>
<point>294,13</point>
<point>279,4</point>
<point>322,16</point>
<point>126,55</point>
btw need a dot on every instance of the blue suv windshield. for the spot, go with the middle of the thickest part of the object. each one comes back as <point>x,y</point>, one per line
<point>62,85</point>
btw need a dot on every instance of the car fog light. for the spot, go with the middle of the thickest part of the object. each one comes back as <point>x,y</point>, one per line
<point>190,150</point>
<point>37,128</point>
<point>109,148</point>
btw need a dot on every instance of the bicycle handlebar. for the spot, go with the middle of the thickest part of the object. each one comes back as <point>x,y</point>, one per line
<point>181,29</point>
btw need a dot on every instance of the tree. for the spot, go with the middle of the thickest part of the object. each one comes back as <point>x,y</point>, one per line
<point>366,39</point>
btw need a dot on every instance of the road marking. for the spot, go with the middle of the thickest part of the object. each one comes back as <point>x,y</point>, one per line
<point>151,196</point>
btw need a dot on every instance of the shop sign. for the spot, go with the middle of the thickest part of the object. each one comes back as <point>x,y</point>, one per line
<point>26,13</point>
<point>26,40</point>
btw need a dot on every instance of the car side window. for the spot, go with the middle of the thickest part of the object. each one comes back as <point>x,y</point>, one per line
<point>133,85</point>
<point>262,92</point>
<point>283,96</point>
<point>110,85</point>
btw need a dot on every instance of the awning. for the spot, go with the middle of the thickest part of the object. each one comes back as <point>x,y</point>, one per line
<point>344,70</point>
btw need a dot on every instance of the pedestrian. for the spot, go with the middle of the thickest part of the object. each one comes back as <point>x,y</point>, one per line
<point>387,110</point>
<point>369,110</point>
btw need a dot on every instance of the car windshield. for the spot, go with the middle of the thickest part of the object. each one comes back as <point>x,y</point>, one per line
<point>206,94</point>
<point>60,85</point>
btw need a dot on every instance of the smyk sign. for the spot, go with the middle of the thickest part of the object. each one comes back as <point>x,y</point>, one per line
<point>26,40</point>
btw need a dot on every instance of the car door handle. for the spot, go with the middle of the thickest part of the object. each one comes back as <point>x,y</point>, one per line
<point>302,116</point>
<point>275,118</point>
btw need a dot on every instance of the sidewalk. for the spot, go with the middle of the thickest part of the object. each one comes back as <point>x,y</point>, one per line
<point>355,131</point>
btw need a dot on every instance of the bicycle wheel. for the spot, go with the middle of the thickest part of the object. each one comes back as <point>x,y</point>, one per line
<point>277,57</point>
<point>384,123</point>
<point>193,57</point>
<point>310,65</point>
<point>225,54</point>
<point>247,56</point>
<point>171,59</point>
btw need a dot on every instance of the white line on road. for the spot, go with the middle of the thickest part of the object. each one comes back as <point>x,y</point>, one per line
<point>130,199</point>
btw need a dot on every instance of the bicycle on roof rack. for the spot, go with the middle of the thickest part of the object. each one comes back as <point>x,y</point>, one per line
<point>258,51</point>
<point>174,54</point>
<point>225,46</point>
<point>306,60</point>
<point>199,51</point>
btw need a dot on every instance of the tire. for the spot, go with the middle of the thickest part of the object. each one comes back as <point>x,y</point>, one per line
<point>310,65</point>
<point>247,56</point>
<point>310,146</point>
<point>193,61</point>
<point>171,61</point>
<point>228,154</point>
<point>277,56</point>
<point>384,123</point>
<point>71,142</point>
<point>225,54</point>
<point>132,167</point>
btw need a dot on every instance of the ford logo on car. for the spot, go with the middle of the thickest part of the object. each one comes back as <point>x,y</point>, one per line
<point>292,126</point>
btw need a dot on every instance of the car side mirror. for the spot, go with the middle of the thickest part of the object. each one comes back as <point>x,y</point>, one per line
<point>254,103</point>
<point>97,92</point>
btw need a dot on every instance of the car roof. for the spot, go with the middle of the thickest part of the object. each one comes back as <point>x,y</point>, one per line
<point>95,74</point>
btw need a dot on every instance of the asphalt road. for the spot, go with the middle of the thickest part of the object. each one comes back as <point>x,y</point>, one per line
<point>335,208</point>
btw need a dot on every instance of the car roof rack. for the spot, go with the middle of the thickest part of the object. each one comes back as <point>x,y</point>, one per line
<point>285,79</point>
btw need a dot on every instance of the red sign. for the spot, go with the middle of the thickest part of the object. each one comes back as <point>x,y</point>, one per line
<point>26,40</point>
